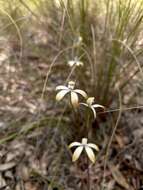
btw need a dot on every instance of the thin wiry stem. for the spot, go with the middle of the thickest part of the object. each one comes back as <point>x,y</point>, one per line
<point>18,31</point>
<point>88,124</point>
<point>65,5</point>
<point>106,18</point>
<point>88,175</point>
<point>62,27</point>
<point>132,53</point>
<point>28,8</point>
<point>111,138</point>
<point>49,70</point>
<point>60,117</point>
<point>123,109</point>
<point>16,21</point>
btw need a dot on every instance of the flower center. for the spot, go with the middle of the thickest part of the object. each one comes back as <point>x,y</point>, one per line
<point>71,85</point>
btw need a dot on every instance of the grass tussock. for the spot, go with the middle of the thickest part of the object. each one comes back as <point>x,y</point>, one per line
<point>110,32</point>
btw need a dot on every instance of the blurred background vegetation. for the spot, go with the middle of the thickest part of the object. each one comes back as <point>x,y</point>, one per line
<point>38,38</point>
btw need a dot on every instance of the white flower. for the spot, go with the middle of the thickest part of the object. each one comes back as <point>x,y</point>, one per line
<point>78,41</point>
<point>75,62</point>
<point>84,146</point>
<point>63,90</point>
<point>89,104</point>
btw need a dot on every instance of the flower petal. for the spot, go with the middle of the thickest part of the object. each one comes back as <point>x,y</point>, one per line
<point>77,153</point>
<point>81,92</point>
<point>84,104</point>
<point>71,63</point>
<point>94,112</point>
<point>91,145</point>
<point>61,87</point>
<point>79,63</point>
<point>61,94</point>
<point>74,99</point>
<point>90,101</point>
<point>74,144</point>
<point>90,153</point>
<point>98,106</point>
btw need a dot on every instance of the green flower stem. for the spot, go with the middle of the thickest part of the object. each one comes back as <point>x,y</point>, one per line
<point>88,175</point>
<point>70,74</point>
<point>74,110</point>
<point>88,124</point>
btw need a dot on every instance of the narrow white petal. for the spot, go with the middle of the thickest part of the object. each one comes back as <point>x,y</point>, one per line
<point>74,144</point>
<point>79,63</point>
<point>81,92</point>
<point>97,106</point>
<point>61,87</point>
<point>84,104</point>
<point>77,153</point>
<point>90,153</point>
<point>71,63</point>
<point>61,94</point>
<point>74,99</point>
<point>94,112</point>
<point>91,145</point>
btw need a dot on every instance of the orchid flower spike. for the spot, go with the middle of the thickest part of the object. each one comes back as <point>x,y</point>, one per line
<point>75,62</point>
<point>64,90</point>
<point>89,104</point>
<point>84,146</point>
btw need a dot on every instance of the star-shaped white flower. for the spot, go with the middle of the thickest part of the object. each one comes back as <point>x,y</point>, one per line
<point>64,90</point>
<point>89,104</point>
<point>83,146</point>
<point>75,62</point>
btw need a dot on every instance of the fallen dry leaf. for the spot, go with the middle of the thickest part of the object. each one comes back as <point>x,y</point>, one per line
<point>111,185</point>
<point>7,166</point>
<point>2,182</point>
<point>119,178</point>
<point>120,141</point>
<point>30,186</point>
<point>23,171</point>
